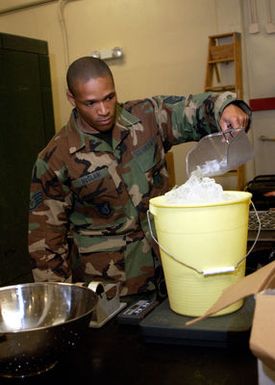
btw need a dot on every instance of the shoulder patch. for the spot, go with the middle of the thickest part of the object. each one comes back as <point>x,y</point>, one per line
<point>35,200</point>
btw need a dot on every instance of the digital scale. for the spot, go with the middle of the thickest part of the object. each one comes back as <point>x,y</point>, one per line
<point>162,325</point>
<point>159,324</point>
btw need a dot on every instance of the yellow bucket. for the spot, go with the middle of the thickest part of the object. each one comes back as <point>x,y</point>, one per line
<point>203,249</point>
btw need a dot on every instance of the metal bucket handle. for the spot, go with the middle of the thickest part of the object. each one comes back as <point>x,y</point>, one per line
<point>211,271</point>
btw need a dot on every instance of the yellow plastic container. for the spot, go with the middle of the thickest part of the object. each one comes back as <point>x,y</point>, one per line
<point>203,249</point>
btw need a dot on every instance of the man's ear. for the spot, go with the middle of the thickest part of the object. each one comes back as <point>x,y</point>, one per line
<point>70,98</point>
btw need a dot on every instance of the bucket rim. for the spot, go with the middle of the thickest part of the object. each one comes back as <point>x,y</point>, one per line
<point>242,197</point>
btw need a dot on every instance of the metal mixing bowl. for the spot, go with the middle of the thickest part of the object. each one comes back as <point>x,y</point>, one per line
<point>39,322</point>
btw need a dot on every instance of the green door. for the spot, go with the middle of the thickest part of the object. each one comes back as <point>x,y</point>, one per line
<point>26,125</point>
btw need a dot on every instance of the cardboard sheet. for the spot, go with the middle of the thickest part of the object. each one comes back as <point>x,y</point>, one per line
<point>262,337</point>
<point>259,283</point>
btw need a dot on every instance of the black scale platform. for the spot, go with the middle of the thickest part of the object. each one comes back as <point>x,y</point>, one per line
<point>163,325</point>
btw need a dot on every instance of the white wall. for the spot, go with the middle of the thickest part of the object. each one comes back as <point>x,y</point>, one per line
<point>260,54</point>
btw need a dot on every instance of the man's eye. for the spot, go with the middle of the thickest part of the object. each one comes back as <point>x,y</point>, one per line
<point>89,104</point>
<point>110,97</point>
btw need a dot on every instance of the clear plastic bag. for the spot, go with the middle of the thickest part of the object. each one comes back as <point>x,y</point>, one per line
<point>218,153</point>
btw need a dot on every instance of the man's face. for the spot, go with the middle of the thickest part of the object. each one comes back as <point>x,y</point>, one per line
<point>96,102</point>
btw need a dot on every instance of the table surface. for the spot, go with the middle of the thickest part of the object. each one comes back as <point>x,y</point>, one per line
<point>118,354</point>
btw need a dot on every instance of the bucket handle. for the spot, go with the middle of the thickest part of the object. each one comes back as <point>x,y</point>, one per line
<point>211,271</point>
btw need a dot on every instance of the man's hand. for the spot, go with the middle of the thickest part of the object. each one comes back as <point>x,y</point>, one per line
<point>270,194</point>
<point>233,117</point>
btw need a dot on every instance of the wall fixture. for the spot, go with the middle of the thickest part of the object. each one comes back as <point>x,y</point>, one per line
<point>105,54</point>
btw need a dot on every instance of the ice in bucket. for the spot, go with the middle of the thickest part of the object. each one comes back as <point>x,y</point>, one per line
<point>197,189</point>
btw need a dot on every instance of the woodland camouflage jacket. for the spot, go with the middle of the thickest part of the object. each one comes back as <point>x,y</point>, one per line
<point>89,197</point>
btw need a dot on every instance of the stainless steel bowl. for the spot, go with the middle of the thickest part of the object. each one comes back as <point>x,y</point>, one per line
<point>39,322</point>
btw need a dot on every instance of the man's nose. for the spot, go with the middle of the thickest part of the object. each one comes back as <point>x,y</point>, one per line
<point>102,108</point>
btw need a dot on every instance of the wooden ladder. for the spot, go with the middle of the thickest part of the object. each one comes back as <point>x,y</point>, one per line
<point>224,73</point>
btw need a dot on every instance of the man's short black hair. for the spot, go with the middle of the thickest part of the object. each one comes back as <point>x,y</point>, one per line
<point>86,68</point>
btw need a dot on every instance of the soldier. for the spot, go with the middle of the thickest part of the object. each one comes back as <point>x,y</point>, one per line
<point>92,183</point>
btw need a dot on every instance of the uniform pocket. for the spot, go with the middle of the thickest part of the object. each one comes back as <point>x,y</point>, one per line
<point>96,187</point>
<point>147,155</point>
<point>149,159</point>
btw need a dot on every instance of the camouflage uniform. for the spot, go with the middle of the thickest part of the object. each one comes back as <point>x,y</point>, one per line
<point>89,197</point>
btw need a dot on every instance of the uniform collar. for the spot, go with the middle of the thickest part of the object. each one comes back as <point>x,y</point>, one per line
<point>78,139</point>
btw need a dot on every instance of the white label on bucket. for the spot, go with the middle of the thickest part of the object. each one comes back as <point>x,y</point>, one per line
<point>218,270</point>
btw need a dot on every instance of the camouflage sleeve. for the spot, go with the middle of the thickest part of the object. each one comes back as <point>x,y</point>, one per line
<point>50,203</point>
<point>184,119</point>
